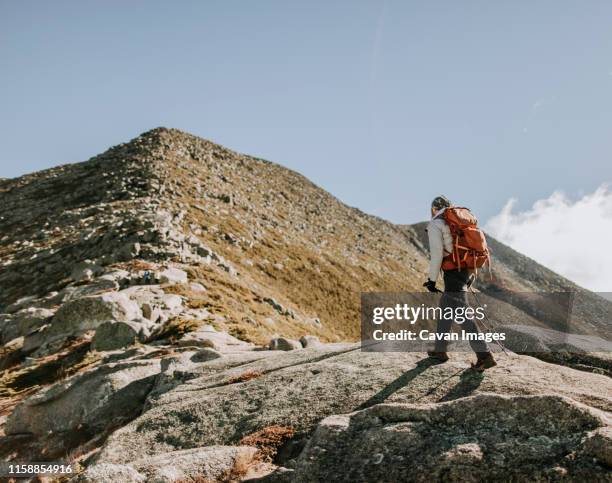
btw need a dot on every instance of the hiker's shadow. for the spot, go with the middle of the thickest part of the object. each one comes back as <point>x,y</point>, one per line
<point>400,382</point>
<point>468,383</point>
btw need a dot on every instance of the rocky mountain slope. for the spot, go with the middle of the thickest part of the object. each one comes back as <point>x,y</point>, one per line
<point>170,196</point>
<point>151,302</point>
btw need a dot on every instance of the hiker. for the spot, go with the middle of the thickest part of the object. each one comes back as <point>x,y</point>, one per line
<point>459,270</point>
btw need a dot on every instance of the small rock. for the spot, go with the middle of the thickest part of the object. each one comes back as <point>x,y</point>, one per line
<point>228,268</point>
<point>226,198</point>
<point>230,237</point>
<point>197,287</point>
<point>204,251</point>
<point>275,305</point>
<point>220,341</point>
<point>250,321</point>
<point>173,275</point>
<point>172,301</point>
<point>150,312</point>
<point>206,354</point>
<point>310,341</point>
<point>284,344</point>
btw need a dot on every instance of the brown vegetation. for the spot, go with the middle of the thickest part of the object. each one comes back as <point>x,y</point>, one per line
<point>269,440</point>
<point>246,376</point>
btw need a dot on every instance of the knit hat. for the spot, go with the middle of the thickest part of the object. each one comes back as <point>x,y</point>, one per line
<point>440,202</point>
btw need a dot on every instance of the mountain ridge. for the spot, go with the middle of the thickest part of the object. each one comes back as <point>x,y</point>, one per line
<point>171,310</point>
<point>167,195</point>
<point>173,160</point>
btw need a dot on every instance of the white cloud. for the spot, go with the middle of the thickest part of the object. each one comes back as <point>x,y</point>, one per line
<point>573,238</point>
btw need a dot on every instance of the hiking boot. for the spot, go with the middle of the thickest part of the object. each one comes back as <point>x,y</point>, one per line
<point>439,356</point>
<point>484,362</point>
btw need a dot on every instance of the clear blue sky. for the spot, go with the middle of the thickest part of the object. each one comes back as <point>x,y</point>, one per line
<point>384,104</point>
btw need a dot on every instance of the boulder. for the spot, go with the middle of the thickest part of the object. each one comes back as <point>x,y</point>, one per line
<point>36,339</point>
<point>173,275</point>
<point>151,312</point>
<point>206,354</point>
<point>91,401</point>
<point>13,345</point>
<point>85,271</point>
<point>284,344</point>
<point>23,322</point>
<point>88,312</point>
<point>477,438</point>
<point>172,301</point>
<point>112,334</point>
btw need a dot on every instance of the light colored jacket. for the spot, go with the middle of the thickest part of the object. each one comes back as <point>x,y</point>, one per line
<point>440,243</point>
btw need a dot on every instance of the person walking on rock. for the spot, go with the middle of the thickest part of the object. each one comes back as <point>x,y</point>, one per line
<point>459,248</point>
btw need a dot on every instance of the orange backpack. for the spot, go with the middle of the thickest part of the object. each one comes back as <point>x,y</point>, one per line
<point>469,244</point>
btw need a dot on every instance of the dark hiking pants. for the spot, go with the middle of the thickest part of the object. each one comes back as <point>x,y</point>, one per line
<point>456,284</point>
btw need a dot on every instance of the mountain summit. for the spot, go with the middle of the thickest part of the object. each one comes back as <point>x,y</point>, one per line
<point>168,195</point>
